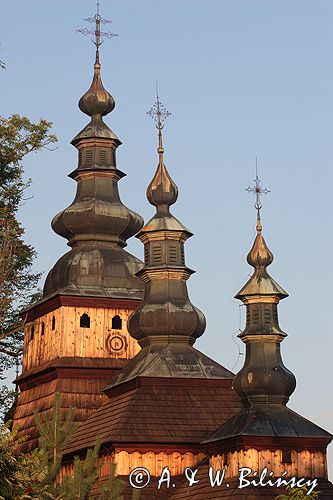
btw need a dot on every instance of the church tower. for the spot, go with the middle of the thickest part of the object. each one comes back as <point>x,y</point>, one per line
<point>76,336</point>
<point>170,396</point>
<point>266,434</point>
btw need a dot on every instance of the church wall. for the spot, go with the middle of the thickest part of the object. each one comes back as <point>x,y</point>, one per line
<point>303,464</point>
<point>74,350</point>
<point>59,334</point>
<point>155,462</point>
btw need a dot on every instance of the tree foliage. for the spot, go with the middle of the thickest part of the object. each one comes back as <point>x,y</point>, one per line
<point>85,475</point>
<point>55,435</point>
<point>8,398</point>
<point>35,476</point>
<point>18,137</point>
<point>20,475</point>
<point>298,494</point>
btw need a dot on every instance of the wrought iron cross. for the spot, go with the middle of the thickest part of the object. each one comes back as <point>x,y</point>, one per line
<point>98,20</point>
<point>257,189</point>
<point>158,112</point>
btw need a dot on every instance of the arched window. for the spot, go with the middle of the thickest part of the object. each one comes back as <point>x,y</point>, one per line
<point>32,332</point>
<point>116,322</point>
<point>53,323</point>
<point>85,321</point>
<point>43,328</point>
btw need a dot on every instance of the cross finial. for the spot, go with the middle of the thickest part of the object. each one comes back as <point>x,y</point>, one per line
<point>258,191</point>
<point>98,34</point>
<point>159,114</point>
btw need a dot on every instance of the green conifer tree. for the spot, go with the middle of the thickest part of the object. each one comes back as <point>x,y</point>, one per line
<point>18,137</point>
<point>298,494</point>
<point>54,435</point>
<point>85,474</point>
<point>35,476</point>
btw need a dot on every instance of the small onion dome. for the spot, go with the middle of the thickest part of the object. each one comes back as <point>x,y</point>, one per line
<point>260,255</point>
<point>260,283</point>
<point>97,100</point>
<point>162,190</point>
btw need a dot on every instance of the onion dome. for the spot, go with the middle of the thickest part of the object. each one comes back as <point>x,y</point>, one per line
<point>263,379</point>
<point>264,384</point>
<point>166,324</point>
<point>162,192</point>
<point>97,100</point>
<point>166,314</point>
<point>97,223</point>
<point>260,257</point>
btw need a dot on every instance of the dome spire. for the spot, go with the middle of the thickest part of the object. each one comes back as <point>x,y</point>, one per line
<point>162,191</point>
<point>165,271</point>
<point>98,34</point>
<point>258,191</point>
<point>97,224</point>
<point>260,256</point>
<point>96,102</point>
<point>263,379</point>
<point>166,324</point>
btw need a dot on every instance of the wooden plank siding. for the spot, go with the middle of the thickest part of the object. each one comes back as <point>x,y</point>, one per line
<point>304,463</point>
<point>76,361</point>
<point>68,338</point>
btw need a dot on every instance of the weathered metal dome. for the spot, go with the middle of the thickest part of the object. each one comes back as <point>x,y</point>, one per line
<point>97,224</point>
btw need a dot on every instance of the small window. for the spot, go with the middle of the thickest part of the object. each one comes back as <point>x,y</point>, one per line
<point>275,313</point>
<point>53,323</point>
<point>146,254</point>
<point>182,256</point>
<point>43,329</point>
<point>89,156</point>
<point>116,323</point>
<point>85,321</point>
<point>32,332</point>
<point>286,457</point>
<point>255,315</point>
<point>157,253</point>
<point>267,315</point>
<point>173,254</point>
<point>103,156</point>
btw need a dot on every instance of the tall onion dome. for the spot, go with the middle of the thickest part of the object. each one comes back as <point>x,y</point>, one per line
<point>264,384</point>
<point>97,223</point>
<point>166,324</point>
<point>263,379</point>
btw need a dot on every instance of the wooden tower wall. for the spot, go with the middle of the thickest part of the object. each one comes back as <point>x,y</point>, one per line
<point>59,334</point>
<point>61,355</point>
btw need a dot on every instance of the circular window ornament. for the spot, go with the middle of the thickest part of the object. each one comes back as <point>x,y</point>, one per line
<point>115,343</point>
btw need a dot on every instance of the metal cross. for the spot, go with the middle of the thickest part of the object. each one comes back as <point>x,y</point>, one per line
<point>97,19</point>
<point>257,189</point>
<point>158,112</point>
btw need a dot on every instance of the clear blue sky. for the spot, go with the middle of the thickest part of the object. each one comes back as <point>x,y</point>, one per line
<point>241,78</point>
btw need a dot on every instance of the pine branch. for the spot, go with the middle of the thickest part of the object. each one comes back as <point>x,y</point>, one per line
<point>18,328</point>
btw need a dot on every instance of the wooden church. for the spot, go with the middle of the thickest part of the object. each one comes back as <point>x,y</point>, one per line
<point>115,337</point>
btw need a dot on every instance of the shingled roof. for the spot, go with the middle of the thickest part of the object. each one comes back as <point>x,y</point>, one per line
<point>272,420</point>
<point>160,411</point>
